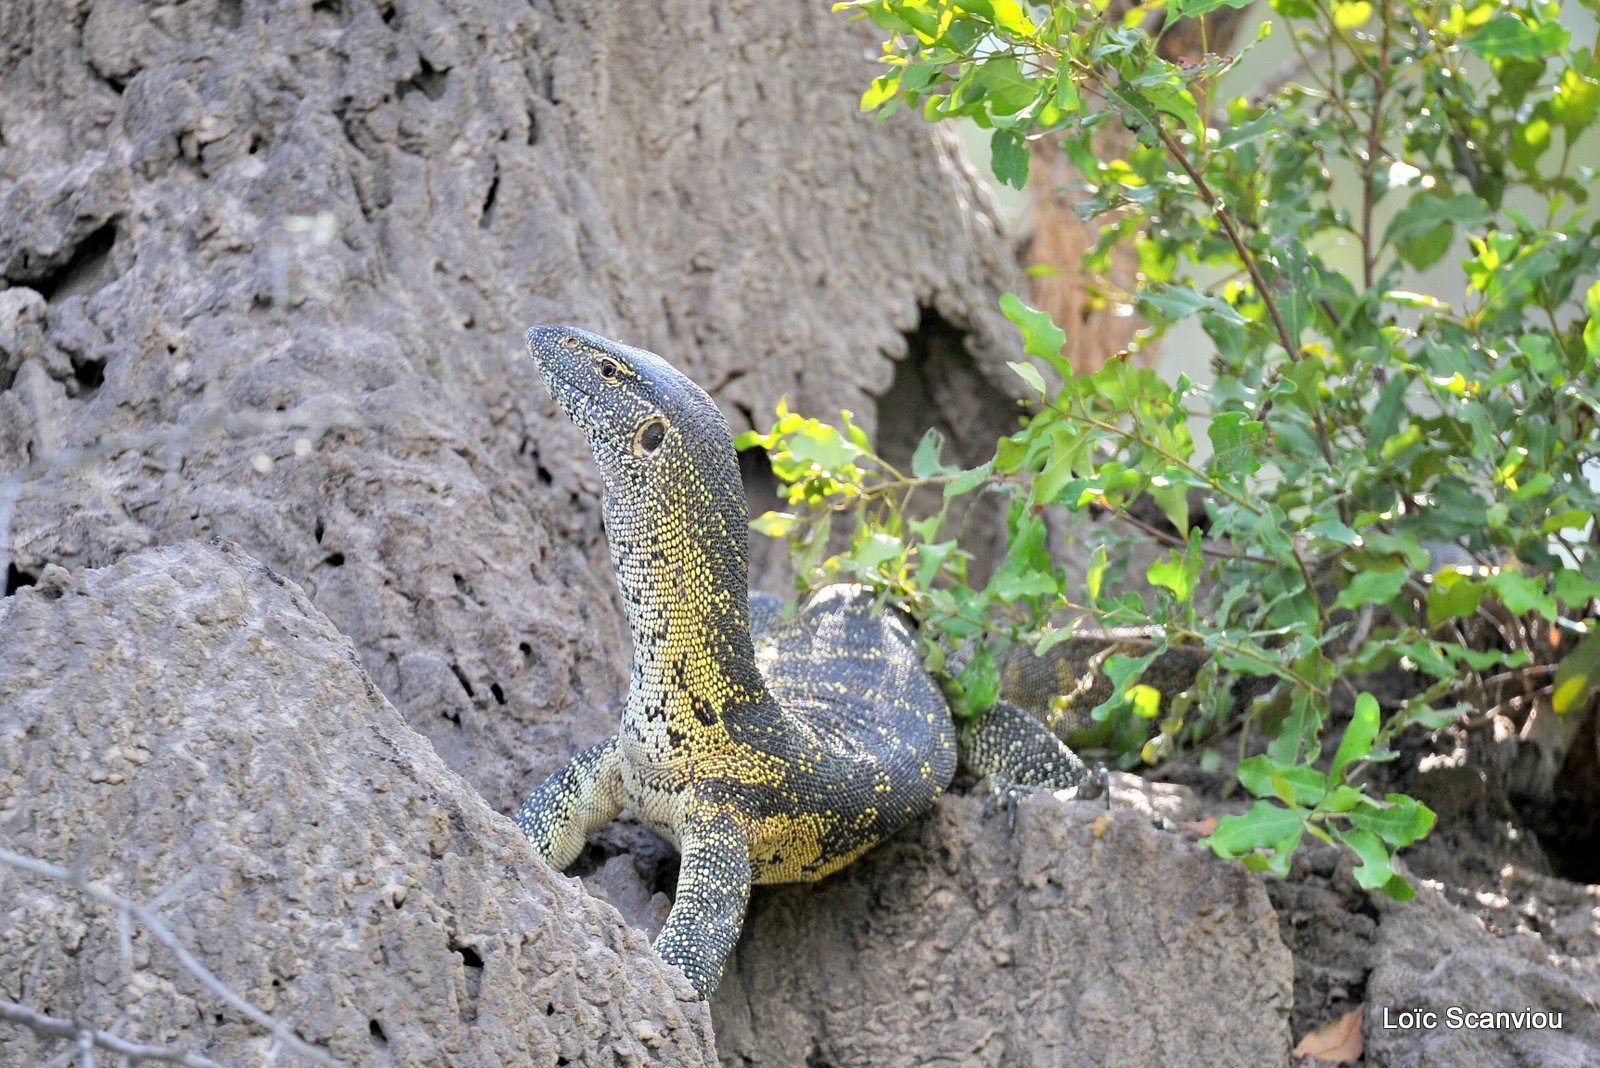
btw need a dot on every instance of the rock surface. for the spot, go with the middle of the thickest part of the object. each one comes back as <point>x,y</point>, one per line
<point>186,728</point>
<point>264,269</point>
<point>1432,957</point>
<point>1075,937</point>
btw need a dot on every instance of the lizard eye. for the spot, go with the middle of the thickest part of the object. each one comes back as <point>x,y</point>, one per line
<point>650,436</point>
<point>608,369</point>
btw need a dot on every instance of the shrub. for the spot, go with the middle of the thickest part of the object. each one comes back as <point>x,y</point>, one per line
<point>1357,424</point>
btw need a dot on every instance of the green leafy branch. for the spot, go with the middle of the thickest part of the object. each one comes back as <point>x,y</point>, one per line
<point>1397,479</point>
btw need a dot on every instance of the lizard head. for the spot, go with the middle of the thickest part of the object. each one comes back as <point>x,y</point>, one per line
<point>646,422</point>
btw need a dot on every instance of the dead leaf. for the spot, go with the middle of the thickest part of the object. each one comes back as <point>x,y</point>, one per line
<point>1200,827</point>
<point>1337,1042</point>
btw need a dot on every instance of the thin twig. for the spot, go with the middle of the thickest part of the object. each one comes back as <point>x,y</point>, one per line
<point>55,1027</point>
<point>1176,542</point>
<point>164,935</point>
<point>1223,216</point>
<point>1369,162</point>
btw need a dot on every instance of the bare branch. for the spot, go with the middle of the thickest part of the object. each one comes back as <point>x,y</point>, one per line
<point>87,1038</point>
<point>163,934</point>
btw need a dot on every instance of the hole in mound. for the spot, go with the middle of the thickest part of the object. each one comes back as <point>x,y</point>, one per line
<point>428,81</point>
<point>760,484</point>
<point>486,218</point>
<point>84,268</point>
<point>375,1029</point>
<point>16,578</point>
<point>90,374</point>
<point>472,965</point>
<point>939,386</point>
<point>1569,829</point>
<point>469,956</point>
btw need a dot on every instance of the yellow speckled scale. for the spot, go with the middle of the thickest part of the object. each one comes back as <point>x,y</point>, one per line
<point>776,761</point>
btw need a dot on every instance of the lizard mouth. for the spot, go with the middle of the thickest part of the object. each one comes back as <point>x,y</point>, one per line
<point>556,364</point>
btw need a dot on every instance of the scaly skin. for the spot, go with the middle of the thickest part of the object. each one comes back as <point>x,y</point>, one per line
<point>777,762</point>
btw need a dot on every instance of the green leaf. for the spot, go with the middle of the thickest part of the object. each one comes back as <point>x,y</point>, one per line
<point>1095,577</point>
<point>1011,586</point>
<point>1398,888</point>
<point>1398,819</point>
<point>1506,35</point>
<point>1178,572</point>
<point>1342,799</point>
<point>980,681</point>
<point>1423,229</point>
<point>1358,734</point>
<point>1452,593</point>
<point>1041,336</point>
<point>1374,870</point>
<point>1008,158</point>
<point>926,462</point>
<point>1236,441</point>
<point>1029,374</point>
<point>1266,825</point>
<point>1574,588</point>
<point>1067,447</point>
<point>876,550</point>
<point>774,524</point>
<point>968,480</point>
<point>1576,100</point>
<point>1294,784</point>
<point>1120,670</point>
<point>1260,126</point>
<point>823,445</point>
<point>1406,546</point>
<point>1349,14</point>
<point>1371,587</point>
<point>1578,675</point>
<point>1193,9</point>
<point>1385,417</point>
<point>1521,594</point>
<point>933,554</point>
<point>1591,329</point>
<point>1180,302</point>
<point>1146,700</point>
<point>1334,531</point>
<point>1010,17</point>
<point>1175,100</point>
<point>1008,89</point>
<point>881,91</point>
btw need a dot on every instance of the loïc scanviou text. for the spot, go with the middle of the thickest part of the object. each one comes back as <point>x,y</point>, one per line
<point>1456,1018</point>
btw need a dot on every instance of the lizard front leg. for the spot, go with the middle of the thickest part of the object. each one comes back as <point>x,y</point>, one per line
<point>1020,754</point>
<point>583,796</point>
<point>713,890</point>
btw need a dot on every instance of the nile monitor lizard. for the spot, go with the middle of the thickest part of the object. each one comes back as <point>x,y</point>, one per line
<point>773,761</point>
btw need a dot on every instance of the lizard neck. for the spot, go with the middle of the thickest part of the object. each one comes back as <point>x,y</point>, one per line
<point>680,550</point>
